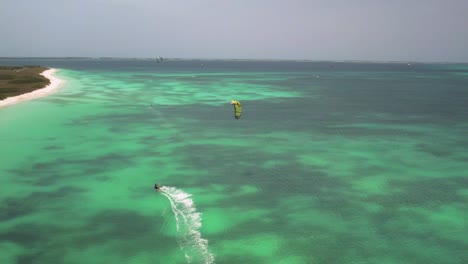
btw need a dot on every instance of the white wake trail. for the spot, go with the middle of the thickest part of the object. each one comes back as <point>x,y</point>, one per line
<point>188,223</point>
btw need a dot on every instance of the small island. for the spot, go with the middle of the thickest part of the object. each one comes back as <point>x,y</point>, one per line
<point>17,80</point>
<point>23,83</point>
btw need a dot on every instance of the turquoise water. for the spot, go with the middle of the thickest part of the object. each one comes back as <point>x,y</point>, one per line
<point>330,163</point>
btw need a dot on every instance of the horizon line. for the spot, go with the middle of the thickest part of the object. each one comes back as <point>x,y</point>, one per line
<point>230,59</point>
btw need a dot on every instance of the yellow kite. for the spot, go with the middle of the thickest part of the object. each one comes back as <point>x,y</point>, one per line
<point>237,108</point>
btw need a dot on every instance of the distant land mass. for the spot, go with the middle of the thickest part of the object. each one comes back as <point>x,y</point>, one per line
<point>17,80</point>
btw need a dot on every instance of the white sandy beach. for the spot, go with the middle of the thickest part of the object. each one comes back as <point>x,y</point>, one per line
<point>55,84</point>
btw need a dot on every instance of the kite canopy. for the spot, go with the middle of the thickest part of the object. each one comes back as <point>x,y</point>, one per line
<point>237,108</point>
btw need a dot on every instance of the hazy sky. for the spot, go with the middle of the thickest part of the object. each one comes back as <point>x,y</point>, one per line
<point>406,30</point>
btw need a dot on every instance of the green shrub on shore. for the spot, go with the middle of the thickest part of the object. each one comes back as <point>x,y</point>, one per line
<point>7,92</point>
<point>31,79</point>
<point>10,68</point>
<point>6,77</point>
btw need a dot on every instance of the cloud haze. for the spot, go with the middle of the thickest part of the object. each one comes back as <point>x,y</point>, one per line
<point>406,30</point>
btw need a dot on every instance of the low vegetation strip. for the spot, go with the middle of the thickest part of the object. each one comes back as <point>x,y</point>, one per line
<point>17,80</point>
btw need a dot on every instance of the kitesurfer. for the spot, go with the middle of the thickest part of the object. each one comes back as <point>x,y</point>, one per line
<point>156,186</point>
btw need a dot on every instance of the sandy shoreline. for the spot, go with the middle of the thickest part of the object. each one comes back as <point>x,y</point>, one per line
<point>55,84</point>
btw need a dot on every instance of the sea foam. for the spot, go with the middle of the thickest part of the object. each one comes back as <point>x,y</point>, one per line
<point>188,223</point>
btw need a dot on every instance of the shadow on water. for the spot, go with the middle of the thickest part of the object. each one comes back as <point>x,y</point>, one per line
<point>35,202</point>
<point>50,172</point>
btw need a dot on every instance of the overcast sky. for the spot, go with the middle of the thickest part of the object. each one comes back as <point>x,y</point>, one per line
<point>377,30</point>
